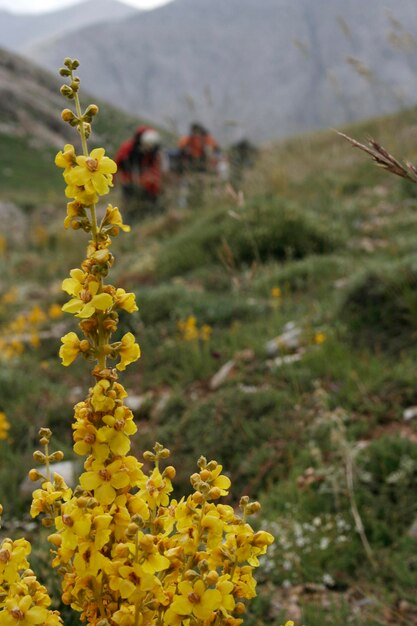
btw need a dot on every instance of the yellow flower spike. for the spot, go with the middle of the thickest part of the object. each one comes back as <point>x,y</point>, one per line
<point>129,351</point>
<point>69,349</point>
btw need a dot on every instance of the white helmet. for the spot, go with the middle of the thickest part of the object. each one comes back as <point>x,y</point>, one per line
<point>150,139</point>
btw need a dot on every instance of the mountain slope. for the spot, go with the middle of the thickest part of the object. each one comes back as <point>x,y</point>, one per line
<point>31,129</point>
<point>271,69</point>
<point>18,32</point>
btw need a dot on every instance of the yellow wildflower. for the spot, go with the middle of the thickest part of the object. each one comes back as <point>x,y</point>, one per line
<point>94,172</point>
<point>195,600</point>
<point>22,612</point>
<point>126,301</point>
<point>319,338</point>
<point>69,349</point>
<point>66,158</point>
<point>4,426</point>
<point>54,311</point>
<point>89,301</point>
<point>276,292</point>
<point>104,481</point>
<point>129,351</point>
<point>114,218</point>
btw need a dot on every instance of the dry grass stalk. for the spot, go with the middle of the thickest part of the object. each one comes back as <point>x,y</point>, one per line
<point>384,159</point>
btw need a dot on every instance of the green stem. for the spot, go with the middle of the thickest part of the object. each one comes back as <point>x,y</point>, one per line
<point>85,152</point>
<point>81,124</point>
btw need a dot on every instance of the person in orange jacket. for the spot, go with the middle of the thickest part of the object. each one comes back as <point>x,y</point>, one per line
<point>139,165</point>
<point>199,151</point>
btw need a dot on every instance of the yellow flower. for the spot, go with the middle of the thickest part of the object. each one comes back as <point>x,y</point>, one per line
<point>22,612</point>
<point>125,301</point>
<point>54,311</point>
<point>205,332</point>
<point>74,210</point>
<point>36,316</point>
<point>188,328</point>
<point>94,172</point>
<point>4,426</point>
<point>319,338</point>
<point>70,348</point>
<point>276,292</point>
<point>196,600</point>
<point>114,218</point>
<point>102,398</point>
<point>129,351</point>
<point>104,481</point>
<point>66,158</point>
<point>89,300</point>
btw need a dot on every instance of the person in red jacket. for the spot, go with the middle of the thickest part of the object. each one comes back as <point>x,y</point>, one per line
<point>139,165</point>
<point>199,150</point>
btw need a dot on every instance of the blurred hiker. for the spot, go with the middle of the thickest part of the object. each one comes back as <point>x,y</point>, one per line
<point>243,155</point>
<point>140,170</point>
<point>199,151</point>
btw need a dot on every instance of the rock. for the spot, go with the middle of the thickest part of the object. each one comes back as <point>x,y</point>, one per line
<point>12,214</point>
<point>222,375</point>
<point>410,413</point>
<point>279,361</point>
<point>288,341</point>
<point>134,403</point>
<point>69,470</point>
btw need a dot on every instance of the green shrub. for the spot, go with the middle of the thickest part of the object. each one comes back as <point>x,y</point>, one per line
<point>266,230</point>
<point>380,309</point>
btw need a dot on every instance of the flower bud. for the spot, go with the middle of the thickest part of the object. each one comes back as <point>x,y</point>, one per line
<point>149,456</point>
<point>34,475</point>
<point>67,115</point>
<point>39,457</point>
<point>214,493</point>
<point>92,110</point>
<point>253,507</point>
<point>55,539</point>
<point>169,472</point>
<point>198,497</point>
<point>63,71</point>
<point>212,577</point>
<point>239,608</point>
<point>190,574</point>
<point>45,432</point>
<point>56,456</point>
<point>47,522</point>
<point>84,345</point>
<point>67,92</point>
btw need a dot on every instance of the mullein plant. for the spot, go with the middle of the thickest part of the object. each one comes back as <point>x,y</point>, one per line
<point>128,553</point>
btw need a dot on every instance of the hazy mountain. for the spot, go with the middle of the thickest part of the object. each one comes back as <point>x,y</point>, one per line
<point>19,31</point>
<point>266,68</point>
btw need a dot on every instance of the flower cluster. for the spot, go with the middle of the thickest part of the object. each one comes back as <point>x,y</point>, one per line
<point>129,554</point>
<point>23,600</point>
<point>189,330</point>
<point>20,331</point>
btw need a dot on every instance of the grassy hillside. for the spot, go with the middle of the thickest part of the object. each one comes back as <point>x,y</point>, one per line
<point>316,426</point>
